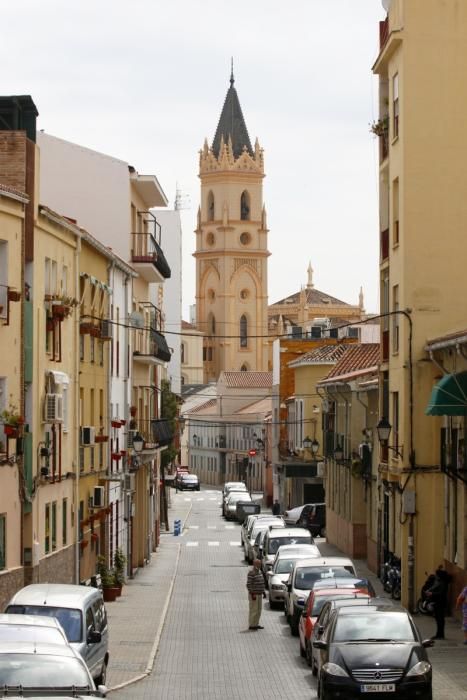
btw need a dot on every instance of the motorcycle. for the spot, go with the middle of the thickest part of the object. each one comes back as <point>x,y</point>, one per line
<point>425,605</point>
<point>391,576</point>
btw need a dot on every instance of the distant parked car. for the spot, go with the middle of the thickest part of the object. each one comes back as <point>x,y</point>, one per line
<point>259,525</point>
<point>283,564</point>
<point>245,508</point>
<point>310,515</point>
<point>230,510</point>
<point>278,538</point>
<point>188,482</point>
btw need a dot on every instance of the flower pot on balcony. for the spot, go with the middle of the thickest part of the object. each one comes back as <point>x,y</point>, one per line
<point>123,421</point>
<point>94,537</point>
<point>110,594</point>
<point>123,453</point>
<point>115,423</point>
<point>83,544</point>
<point>11,431</point>
<point>14,296</point>
<point>116,456</point>
<point>59,310</point>
<point>101,438</point>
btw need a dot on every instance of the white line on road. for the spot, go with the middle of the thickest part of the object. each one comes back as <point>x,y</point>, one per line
<point>193,527</point>
<point>212,527</point>
<point>213,544</point>
<point>229,527</point>
<point>200,499</point>
<point>235,544</point>
<point>192,544</point>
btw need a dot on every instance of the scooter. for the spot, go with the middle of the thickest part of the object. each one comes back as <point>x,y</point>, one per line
<point>425,605</point>
<point>391,576</point>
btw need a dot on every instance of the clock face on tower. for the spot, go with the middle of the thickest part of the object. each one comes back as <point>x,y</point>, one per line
<point>245,238</point>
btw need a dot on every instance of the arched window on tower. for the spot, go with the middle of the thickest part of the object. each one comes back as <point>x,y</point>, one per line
<point>183,353</point>
<point>210,206</point>
<point>244,367</point>
<point>243,332</point>
<point>245,206</point>
<point>211,324</point>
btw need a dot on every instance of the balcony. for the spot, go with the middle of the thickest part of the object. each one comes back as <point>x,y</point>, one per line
<point>384,245</point>
<point>157,351</point>
<point>162,432</point>
<point>148,259</point>
<point>383,32</point>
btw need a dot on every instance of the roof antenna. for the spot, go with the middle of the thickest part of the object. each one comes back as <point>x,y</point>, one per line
<point>232,79</point>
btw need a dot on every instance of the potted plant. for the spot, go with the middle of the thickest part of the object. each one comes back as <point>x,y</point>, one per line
<point>14,296</point>
<point>62,305</point>
<point>102,438</point>
<point>109,589</point>
<point>12,421</point>
<point>119,567</point>
<point>115,423</point>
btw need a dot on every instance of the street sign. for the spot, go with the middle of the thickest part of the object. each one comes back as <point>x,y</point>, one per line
<point>252,453</point>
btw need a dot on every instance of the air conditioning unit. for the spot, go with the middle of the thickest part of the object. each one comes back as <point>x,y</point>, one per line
<point>106,329</point>
<point>130,482</point>
<point>98,498</point>
<point>88,435</point>
<point>53,408</point>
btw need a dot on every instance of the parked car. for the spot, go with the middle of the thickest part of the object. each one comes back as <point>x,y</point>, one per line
<point>30,628</point>
<point>239,489</point>
<point>283,564</point>
<point>373,650</point>
<point>313,517</point>
<point>245,508</point>
<point>44,669</point>
<point>249,522</point>
<point>362,584</point>
<point>317,598</point>
<point>233,486</point>
<point>80,611</point>
<point>259,525</point>
<point>230,510</point>
<point>302,579</point>
<point>188,482</point>
<point>275,539</point>
<point>326,615</point>
<point>292,515</point>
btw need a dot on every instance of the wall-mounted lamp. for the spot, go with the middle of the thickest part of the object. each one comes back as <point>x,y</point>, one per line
<point>310,444</point>
<point>138,442</point>
<point>383,429</point>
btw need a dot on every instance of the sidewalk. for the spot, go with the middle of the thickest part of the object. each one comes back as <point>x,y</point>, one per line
<point>136,619</point>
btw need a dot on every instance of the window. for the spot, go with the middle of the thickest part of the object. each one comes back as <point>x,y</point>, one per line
<point>2,542</point>
<point>244,367</point>
<point>395,106</point>
<point>245,206</point>
<point>47,528</point>
<point>395,419</point>
<point>81,348</point>
<point>210,239</point>
<point>92,348</point>
<point>395,318</point>
<point>183,353</point>
<point>243,332</point>
<point>100,346</point>
<point>54,525</point>
<point>65,407</point>
<point>210,206</point>
<point>64,521</point>
<point>211,324</point>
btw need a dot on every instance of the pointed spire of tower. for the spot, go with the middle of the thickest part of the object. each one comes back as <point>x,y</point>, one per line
<point>232,79</point>
<point>232,123</point>
<point>310,284</point>
<point>360,300</point>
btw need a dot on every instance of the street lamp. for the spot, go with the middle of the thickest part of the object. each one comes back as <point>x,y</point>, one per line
<point>138,442</point>
<point>383,429</point>
<point>310,444</point>
<point>338,453</point>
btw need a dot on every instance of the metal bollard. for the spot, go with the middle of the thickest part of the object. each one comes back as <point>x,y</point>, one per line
<point>177,527</point>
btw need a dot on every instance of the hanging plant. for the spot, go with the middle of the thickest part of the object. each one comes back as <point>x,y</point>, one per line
<point>380,127</point>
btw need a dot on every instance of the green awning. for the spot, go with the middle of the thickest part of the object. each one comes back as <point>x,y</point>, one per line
<point>449,396</point>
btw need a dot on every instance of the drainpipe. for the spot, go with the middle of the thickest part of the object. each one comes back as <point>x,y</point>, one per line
<point>77,417</point>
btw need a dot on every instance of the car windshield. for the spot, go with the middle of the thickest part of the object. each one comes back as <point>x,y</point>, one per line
<point>376,626</point>
<point>69,619</point>
<point>305,577</point>
<point>42,671</point>
<point>30,633</point>
<point>189,478</point>
<point>285,566</point>
<point>239,497</point>
<point>274,543</point>
<point>319,601</point>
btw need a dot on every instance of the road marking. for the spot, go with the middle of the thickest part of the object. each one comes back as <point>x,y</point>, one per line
<point>229,527</point>
<point>200,499</point>
<point>193,527</point>
<point>192,544</point>
<point>213,499</point>
<point>187,499</point>
<point>213,544</point>
<point>235,544</point>
<point>212,527</point>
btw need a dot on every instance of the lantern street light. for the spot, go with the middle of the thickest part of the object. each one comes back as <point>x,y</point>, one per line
<point>138,442</point>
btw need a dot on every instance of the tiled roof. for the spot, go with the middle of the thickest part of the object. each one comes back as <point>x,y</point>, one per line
<point>313,297</point>
<point>448,339</point>
<point>247,380</point>
<point>364,356</point>
<point>205,407</point>
<point>326,354</point>
<point>11,190</point>
<point>188,326</point>
<point>262,406</point>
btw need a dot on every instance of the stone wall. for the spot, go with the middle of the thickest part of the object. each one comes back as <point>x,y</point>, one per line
<point>10,582</point>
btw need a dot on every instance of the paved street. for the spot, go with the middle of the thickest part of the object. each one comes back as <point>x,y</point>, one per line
<point>205,649</point>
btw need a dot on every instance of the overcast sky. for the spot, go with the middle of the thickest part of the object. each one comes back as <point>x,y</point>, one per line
<point>145,81</point>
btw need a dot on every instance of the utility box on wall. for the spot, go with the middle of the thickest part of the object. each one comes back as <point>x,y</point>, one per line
<point>408,502</point>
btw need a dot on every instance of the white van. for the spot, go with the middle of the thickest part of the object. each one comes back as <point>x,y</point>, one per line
<point>303,577</point>
<point>277,537</point>
<point>80,611</point>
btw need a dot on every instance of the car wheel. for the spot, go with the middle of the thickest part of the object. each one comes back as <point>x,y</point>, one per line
<point>272,603</point>
<point>101,679</point>
<point>302,651</point>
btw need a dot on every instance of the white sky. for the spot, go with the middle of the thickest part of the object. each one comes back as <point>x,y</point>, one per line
<point>145,81</point>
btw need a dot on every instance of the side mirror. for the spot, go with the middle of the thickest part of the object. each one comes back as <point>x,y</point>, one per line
<point>102,691</point>
<point>289,587</point>
<point>320,629</point>
<point>319,644</point>
<point>269,574</point>
<point>428,643</point>
<point>94,637</point>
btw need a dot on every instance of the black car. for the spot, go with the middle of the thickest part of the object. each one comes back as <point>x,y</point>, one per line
<point>188,482</point>
<point>313,517</point>
<point>371,651</point>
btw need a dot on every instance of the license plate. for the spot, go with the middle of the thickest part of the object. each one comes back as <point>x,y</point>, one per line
<point>378,688</point>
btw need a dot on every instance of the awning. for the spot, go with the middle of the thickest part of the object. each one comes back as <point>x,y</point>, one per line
<point>449,396</point>
<point>59,377</point>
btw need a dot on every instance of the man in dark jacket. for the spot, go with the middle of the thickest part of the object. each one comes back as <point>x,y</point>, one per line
<point>276,508</point>
<point>256,593</point>
<point>438,593</point>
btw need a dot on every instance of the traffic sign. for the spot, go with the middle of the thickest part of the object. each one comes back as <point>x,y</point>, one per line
<point>252,453</point>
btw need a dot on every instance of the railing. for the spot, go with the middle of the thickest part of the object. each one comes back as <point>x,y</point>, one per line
<point>383,147</point>
<point>383,32</point>
<point>384,244</point>
<point>146,249</point>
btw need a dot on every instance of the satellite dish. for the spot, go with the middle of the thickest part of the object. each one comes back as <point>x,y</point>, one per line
<point>386,4</point>
<point>136,319</point>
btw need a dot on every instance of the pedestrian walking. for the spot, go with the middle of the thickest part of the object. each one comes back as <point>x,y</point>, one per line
<point>438,593</point>
<point>276,508</point>
<point>256,593</point>
<point>461,602</point>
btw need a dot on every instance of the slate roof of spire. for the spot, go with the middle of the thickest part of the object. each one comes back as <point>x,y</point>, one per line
<point>232,123</point>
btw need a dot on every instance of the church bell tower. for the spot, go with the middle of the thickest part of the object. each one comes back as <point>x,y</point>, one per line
<point>231,248</point>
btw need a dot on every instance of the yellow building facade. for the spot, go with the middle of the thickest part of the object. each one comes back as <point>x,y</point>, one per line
<point>423,212</point>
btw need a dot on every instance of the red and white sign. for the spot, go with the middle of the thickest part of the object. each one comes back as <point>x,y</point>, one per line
<point>252,453</point>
